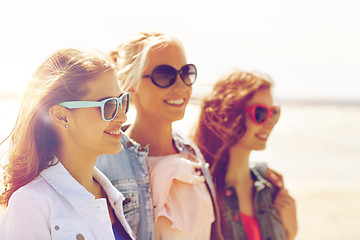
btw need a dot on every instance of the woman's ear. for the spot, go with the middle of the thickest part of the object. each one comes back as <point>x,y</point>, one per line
<point>133,94</point>
<point>59,116</point>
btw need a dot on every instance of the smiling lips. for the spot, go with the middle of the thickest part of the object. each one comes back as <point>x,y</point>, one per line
<point>176,102</point>
<point>262,136</point>
<point>115,133</point>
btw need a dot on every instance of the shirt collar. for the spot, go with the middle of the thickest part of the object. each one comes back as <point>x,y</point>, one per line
<point>61,181</point>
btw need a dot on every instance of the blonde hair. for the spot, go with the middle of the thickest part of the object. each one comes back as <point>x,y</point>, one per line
<point>33,141</point>
<point>131,56</point>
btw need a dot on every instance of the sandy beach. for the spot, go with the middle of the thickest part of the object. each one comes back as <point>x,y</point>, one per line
<point>315,146</point>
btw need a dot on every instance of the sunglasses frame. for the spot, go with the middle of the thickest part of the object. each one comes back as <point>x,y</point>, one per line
<point>270,113</point>
<point>172,81</point>
<point>101,104</point>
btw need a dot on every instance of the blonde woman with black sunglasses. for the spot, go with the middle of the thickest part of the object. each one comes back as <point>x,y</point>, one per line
<point>167,184</point>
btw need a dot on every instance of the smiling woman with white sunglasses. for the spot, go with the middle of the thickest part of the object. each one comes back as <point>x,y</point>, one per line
<point>72,112</point>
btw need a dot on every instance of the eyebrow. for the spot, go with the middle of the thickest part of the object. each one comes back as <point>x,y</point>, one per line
<point>99,100</point>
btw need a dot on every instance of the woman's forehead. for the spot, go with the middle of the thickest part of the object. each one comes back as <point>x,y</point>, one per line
<point>102,86</point>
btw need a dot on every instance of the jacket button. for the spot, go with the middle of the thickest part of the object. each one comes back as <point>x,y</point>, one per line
<point>228,192</point>
<point>80,237</point>
<point>57,227</point>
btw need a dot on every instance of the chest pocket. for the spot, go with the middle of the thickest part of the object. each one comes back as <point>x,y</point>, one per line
<point>68,229</point>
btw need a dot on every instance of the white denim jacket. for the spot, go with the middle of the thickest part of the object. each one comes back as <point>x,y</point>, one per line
<point>55,206</point>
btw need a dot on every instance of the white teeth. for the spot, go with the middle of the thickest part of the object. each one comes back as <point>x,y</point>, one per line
<point>114,132</point>
<point>263,136</point>
<point>175,101</point>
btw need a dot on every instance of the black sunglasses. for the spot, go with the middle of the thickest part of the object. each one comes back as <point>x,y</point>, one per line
<point>164,75</point>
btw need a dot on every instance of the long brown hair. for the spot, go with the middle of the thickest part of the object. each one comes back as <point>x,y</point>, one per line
<point>222,117</point>
<point>62,77</point>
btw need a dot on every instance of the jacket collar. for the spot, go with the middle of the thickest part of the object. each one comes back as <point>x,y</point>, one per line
<point>259,181</point>
<point>112,193</point>
<point>62,182</point>
<point>182,144</point>
<point>131,145</point>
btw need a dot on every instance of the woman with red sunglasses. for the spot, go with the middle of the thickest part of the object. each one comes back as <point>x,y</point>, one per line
<point>236,118</point>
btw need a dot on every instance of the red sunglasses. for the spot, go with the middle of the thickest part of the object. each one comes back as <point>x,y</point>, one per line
<point>260,113</point>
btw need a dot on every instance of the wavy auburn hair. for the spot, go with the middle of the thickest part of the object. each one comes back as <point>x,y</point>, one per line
<point>33,141</point>
<point>222,117</point>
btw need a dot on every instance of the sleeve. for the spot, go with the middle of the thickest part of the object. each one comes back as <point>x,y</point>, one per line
<point>24,218</point>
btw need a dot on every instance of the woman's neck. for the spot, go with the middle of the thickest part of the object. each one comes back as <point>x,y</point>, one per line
<point>80,166</point>
<point>238,172</point>
<point>157,135</point>
<point>239,176</point>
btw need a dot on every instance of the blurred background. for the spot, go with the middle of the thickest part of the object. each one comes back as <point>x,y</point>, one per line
<point>310,48</point>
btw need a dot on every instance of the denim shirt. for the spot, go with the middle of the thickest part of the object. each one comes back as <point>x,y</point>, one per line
<point>128,172</point>
<point>268,218</point>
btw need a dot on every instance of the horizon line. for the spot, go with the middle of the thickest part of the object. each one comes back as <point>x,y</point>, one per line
<point>282,100</point>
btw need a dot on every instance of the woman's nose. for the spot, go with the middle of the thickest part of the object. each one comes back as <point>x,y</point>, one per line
<point>179,83</point>
<point>269,123</point>
<point>120,116</point>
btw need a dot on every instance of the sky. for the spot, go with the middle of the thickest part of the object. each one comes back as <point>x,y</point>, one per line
<point>310,47</point>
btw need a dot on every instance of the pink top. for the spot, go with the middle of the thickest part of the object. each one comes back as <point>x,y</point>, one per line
<point>182,204</point>
<point>251,226</point>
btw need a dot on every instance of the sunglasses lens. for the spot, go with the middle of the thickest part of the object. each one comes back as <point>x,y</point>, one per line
<point>110,107</point>
<point>276,114</point>
<point>163,75</point>
<point>125,103</point>
<point>188,74</point>
<point>260,114</point>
